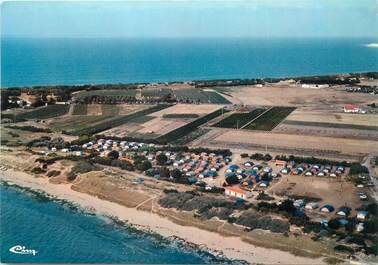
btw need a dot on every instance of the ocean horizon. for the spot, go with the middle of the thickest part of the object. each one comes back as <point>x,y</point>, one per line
<point>76,61</point>
<point>61,232</point>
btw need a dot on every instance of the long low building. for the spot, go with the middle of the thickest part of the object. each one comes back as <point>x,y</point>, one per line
<point>237,192</point>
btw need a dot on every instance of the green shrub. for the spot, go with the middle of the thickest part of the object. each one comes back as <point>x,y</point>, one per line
<point>30,128</point>
<point>38,170</point>
<point>53,173</point>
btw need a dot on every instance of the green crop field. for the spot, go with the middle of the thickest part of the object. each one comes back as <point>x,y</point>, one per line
<point>182,131</point>
<point>270,119</point>
<point>238,120</point>
<point>107,92</point>
<point>200,96</point>
<point>214,97</point>
<point>141,119</point>
<point>79,109</point>
<point>50,111</point>
<point>180,116</point>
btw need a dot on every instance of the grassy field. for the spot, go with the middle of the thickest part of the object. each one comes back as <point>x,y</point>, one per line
<point>46,112</point>
<point>107,92</point>
<point>79,109</point>
<point>237,120</point>
<point>15,137</point>
<point>270,119</point>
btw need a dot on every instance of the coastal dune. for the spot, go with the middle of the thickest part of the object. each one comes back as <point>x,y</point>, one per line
<point>230,247</point>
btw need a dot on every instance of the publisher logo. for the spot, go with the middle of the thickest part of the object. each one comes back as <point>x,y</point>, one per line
<point>22,250</point>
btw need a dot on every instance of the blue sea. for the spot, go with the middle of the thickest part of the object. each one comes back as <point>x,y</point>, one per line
<point>28,62</point>
<point>62,233</point>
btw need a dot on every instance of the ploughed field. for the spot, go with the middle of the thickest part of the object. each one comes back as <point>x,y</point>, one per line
<point>334,124</point>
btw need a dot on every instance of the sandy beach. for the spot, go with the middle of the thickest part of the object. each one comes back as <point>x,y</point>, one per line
<point>231,247</point>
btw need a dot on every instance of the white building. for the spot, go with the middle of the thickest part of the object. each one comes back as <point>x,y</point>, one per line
<point>237,192</point>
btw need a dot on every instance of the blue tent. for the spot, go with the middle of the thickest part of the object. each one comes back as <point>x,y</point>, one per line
<point>329,207</point>
<point>233,167</point>
<point>231,174</point>
<point>324,222</point>
<point>346,210</point>
<point>239,201</point>
<point>192,180</point>
<point>251,172</point>
<point>212,173</point>
<point>299,213</point>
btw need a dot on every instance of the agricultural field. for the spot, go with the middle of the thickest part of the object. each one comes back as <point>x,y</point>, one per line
<point>106,92</point>
<point>109,109</point>
<point>328,129</point>
<point>200,96</point>
<point>79,109</point>
<point>180,116</point>
<point>288,94</point>
<point>183,94</point>
<point>215,98</point>
<point>156,92</point>
<point>106,109</point>
<point>125,109</point>
<point>333,118</point>
<point>76,122</point>
<point>49,111</point>
<point>79,125</point>
<point>238,120</point>
<point>270,119</point>
<point>305,145</point>
<point>327,123</point>
<point>94,109</point>
<point>158,124</point>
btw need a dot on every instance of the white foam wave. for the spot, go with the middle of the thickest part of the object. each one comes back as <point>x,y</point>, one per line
<point>372,45</point>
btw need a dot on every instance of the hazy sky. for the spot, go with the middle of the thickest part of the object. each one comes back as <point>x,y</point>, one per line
<point>253,18</point>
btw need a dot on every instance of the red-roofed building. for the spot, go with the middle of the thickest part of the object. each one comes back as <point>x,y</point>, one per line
<point>235,191</point>
<point>351,108</point>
